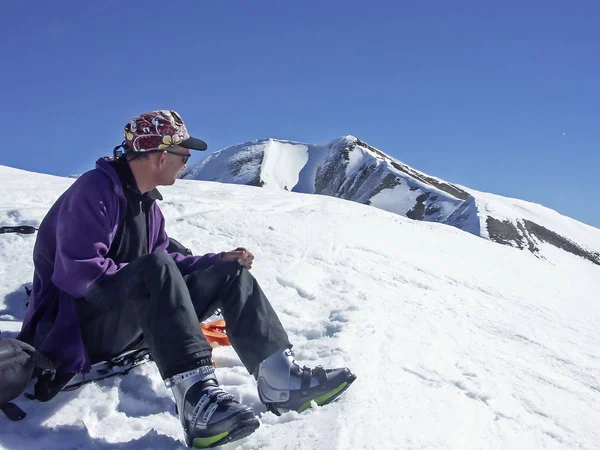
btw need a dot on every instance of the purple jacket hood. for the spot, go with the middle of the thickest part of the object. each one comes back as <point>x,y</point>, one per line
<point>70,257</point>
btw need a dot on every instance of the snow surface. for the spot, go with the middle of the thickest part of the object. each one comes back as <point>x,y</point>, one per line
<point>308,174</point>
<point>282,163</point>
<point>399,199</point>
<point>466,217</point>
<point>356,157</point>
<point>458,343</point>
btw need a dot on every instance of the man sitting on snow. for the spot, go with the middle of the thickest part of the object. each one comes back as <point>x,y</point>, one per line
<point>104,284</point>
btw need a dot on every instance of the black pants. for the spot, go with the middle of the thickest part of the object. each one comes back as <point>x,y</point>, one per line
<point>149,304</point>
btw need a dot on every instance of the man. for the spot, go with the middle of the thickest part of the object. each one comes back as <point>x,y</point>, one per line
<point>104,284</point>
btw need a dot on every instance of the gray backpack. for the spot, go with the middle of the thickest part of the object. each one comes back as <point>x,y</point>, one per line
<point>18,361</point>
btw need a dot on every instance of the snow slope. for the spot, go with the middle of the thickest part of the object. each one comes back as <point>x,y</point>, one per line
<point>458,343</point>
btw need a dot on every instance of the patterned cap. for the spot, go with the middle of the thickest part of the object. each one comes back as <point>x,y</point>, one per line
<point>157,130</point>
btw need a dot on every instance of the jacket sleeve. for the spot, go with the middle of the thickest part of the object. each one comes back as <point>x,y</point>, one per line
<point>84,232</point>
<point>186,264</point>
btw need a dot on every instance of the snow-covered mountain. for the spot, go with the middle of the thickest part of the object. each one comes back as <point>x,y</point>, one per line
<point>457,343</point>
<point>351,169</point>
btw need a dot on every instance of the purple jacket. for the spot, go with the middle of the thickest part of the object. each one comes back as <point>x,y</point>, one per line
<point>69,258</point>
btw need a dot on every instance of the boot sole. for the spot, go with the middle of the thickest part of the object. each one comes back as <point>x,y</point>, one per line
<point>242,429</point>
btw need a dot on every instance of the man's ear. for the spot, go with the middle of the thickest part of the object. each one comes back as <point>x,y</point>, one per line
<point>162,159</point>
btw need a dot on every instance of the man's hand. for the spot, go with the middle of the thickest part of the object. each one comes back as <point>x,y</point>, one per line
<point>241,255</point>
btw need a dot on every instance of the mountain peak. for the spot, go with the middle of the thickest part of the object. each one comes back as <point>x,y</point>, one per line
<point>351,169</point>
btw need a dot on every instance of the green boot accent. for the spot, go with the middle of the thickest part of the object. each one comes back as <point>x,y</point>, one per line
<point>322,400</point>
<point>209,441</point>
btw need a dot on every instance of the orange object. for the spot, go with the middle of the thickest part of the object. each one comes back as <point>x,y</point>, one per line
<point>214,332</point>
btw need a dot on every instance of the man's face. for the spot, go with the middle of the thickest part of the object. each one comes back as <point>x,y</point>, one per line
<point>172,163</point>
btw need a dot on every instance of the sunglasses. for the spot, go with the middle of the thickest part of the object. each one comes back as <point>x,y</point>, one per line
<point>185,158</point>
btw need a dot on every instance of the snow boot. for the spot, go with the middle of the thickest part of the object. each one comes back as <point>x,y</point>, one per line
<point>209,415</point>
<point>283,385</point>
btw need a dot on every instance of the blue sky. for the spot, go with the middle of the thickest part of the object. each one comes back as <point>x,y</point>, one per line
<point>502,97</point>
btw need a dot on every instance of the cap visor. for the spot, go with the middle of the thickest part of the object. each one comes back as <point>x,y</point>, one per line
<point>194,144</point>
